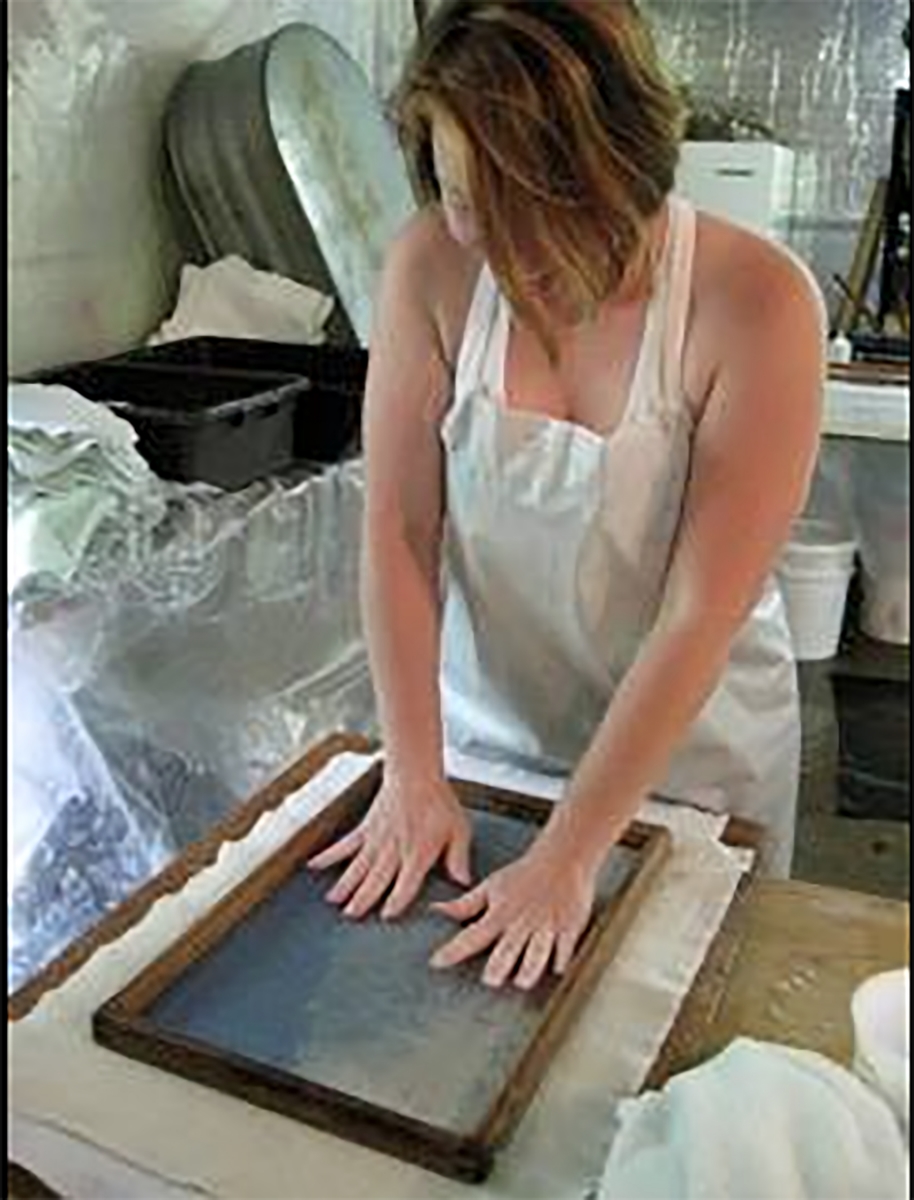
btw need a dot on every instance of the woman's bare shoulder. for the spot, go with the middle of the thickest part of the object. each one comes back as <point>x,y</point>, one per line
<point>739,273</point>
<point>440,274</point>
<point>425,252</point>
<point>745,286</point>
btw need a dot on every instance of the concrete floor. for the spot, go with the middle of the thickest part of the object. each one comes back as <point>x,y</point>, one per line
<point>853,823</point>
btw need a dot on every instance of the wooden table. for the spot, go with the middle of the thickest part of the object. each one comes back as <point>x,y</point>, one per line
<point>871,373</point>
<point>783,967</point>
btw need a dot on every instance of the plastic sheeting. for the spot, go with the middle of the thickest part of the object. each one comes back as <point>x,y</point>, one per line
<point>863,486</point>
<point>75,482</point>
<point>167,688</point>
<point>74,847</point>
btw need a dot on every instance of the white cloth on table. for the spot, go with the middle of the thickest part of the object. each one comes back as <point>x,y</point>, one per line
<point>758,1122</point>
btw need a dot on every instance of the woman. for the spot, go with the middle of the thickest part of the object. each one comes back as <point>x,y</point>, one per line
<point>598,411</point>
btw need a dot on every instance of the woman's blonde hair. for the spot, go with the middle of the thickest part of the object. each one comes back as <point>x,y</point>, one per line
<point>573,130</point>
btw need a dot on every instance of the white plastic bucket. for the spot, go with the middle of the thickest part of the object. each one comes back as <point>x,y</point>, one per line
<point>815,572</point>
<point>882,1039</point>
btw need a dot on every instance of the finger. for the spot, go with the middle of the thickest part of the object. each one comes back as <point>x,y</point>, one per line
<point>350,879</point>
<point>457,858</point>
<point>377,881</point>
<point>564,949</point>
<point>406,889</point>
<point>464,908</point>
<point>536,959</point>
<point>344,848</point>
<point>470,941</point>
<point>504,957</point>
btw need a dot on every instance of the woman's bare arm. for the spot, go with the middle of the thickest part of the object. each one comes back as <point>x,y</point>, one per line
<point>406,396</point>
<point>415,819</point>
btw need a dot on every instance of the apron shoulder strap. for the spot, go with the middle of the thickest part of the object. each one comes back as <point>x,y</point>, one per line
<point>678,298</point>
<point>473,356</point>
<point>657,383</point>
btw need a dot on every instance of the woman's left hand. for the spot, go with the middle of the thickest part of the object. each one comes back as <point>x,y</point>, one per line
<point>530,912</point>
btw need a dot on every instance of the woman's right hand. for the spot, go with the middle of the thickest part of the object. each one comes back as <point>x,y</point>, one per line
<point>410,826</point>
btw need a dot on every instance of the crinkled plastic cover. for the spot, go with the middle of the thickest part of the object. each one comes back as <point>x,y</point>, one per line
<point>162,686</point>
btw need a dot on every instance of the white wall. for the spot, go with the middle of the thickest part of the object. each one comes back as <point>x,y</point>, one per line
<point>92,260</point>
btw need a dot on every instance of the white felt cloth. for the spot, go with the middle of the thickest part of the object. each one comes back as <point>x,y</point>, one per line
<point>759,1121</point>
<point>62,1082</point>
<point>230,298</point>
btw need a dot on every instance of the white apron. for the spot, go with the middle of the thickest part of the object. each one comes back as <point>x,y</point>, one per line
<point>558,543</point>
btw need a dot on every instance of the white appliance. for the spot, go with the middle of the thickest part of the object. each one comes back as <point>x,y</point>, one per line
<point>749,183</point>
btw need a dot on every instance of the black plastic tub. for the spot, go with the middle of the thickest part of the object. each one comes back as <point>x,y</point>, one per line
<point>227,428</point>
<point>230,411</point>
<point>340,368</point>
<point>326,426</point>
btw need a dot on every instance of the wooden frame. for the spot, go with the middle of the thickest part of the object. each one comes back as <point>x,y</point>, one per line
<point>124,1023</point>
